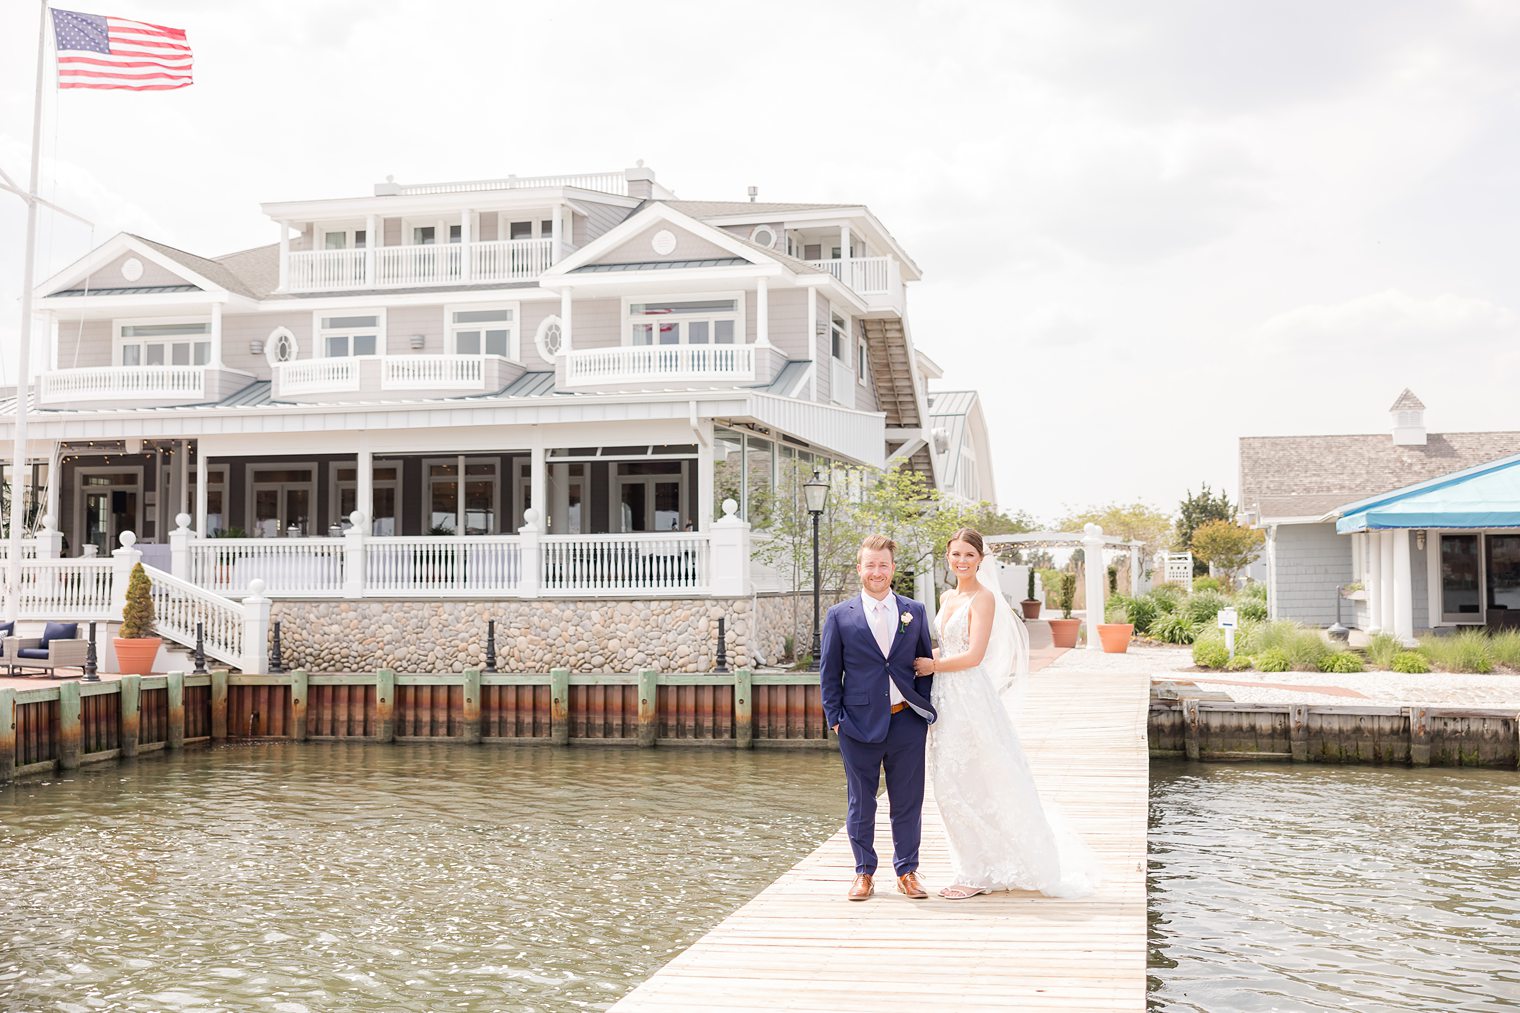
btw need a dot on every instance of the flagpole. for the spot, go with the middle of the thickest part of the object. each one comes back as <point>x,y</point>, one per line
<point>23,366</point>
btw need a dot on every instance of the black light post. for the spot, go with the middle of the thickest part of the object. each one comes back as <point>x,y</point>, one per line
<point>490,645</point>
<point>91,666</point>
<point>816,493</point>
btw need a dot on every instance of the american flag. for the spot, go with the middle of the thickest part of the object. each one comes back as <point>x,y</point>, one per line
<point>95,51</point>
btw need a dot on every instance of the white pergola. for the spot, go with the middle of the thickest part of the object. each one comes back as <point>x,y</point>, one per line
<point>1092,541</point>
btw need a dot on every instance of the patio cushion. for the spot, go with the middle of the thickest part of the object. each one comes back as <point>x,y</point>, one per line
<point>39,653</point>
<point>57,631</point>
<point>7,629</point>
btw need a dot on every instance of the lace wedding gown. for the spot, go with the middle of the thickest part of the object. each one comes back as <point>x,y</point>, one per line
<point>1001,836</point>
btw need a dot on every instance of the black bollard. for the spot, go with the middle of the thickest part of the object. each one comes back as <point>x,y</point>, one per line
<point>490,645</point>
<point>200,649</point>
<point>276,661</point>
<point>91,665</point>
<point>722,665</point>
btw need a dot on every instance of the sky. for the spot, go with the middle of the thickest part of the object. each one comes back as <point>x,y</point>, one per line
<point>1145,230</point>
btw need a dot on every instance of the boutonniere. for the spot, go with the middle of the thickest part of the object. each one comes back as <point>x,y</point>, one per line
<point>903,621</point>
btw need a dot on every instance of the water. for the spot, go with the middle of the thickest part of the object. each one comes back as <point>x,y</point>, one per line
<point>291,877</point>
<point>1324,888</point>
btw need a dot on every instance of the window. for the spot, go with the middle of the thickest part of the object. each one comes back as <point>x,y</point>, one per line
<point>860,361</point>
<point>344,239</point>
<point>448,487</point>
<point>543,229</point>
<point>485,331</point>
<point>424,235</point>
<point>684,322</point>
<point>456,233</point>
<point>339,337</point>
<point>549,339</point>
<point>281,346</point>
<point>164,344</point>
<point>839,337</point>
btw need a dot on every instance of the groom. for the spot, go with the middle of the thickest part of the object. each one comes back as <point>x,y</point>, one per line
<point>880,711</point>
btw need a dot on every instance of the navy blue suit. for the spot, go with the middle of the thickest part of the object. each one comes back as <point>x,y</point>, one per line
<point>855,676</point>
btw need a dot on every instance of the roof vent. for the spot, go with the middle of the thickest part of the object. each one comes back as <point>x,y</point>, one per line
<point>1408,420</point>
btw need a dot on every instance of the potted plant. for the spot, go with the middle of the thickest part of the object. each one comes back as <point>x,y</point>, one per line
<point>1116,631</point>
<point>1063,631</point>
<point>137,647</point>
<point>1030,604</point>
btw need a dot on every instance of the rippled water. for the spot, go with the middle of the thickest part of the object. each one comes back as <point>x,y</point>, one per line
<point>1322,888</point>
<point>315,876</point>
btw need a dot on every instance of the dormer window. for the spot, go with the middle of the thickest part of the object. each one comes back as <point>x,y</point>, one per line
<point>685,322</point>
<point>163,344</point>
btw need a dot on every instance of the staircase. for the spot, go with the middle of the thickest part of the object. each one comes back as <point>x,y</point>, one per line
<point>897,393</point>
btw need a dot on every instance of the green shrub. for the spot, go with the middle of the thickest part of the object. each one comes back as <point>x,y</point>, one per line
<point>1168,596</point>
<point>1381,649</point>
<point>1210,653</point>
<point>1409,662</point>
<point>1271,660</point>
<point>1239,663</point>
<point>137,615</point>
<point>1250,609</point>
<point>1066,593</point>
<point>1256,590</point>
<point>1142,612</point>
<point>1116,610</point>
<point>1302,646</point>
<point>1506,648</point>
<point>1340,661</point>
<point>1468,651</point>
<point>1203,607</point>
<point>1206,584</point>
<point>1172,628</point>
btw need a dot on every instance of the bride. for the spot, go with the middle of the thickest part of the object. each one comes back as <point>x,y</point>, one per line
<point>1001,836</point>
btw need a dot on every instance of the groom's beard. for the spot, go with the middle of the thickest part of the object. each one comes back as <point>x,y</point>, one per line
<point>876,587</point>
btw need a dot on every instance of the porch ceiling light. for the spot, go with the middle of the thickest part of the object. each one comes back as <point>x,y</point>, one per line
<point>1419,539</point>
<point>816,492</point>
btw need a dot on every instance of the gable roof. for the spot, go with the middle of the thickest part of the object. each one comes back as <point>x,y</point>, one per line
<point>1309,476</point>
<point>252,273</point>
<point>213,271</point>
<point>721,208</point>
<point>1406,402</point>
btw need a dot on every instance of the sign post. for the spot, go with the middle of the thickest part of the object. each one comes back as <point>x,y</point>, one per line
<point>1228,620</point>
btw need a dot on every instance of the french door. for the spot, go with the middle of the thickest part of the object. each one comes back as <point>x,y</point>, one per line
<point>281,499</point>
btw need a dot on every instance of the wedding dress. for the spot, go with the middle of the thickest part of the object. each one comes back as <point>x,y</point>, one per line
<point>1001,836</point>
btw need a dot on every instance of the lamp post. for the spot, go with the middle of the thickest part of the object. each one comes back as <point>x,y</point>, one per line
<point>816,492</point>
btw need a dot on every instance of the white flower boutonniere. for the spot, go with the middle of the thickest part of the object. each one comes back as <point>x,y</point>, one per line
<point>904,620</point>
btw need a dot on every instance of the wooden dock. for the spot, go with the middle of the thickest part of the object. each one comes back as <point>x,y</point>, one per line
<point>800,945</point>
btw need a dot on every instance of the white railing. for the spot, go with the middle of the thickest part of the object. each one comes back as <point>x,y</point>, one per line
<point>841,383</point>
<point>866,275</point>
<point>432,372</point>
<point>28,547</point>
<point>511,259</point>
<point>443,565</point>
<point>178,605</point>
<point>316,376</point>
<point>123,383</point>
<point>660,362</point>
<point>604,182</point>
<point>288,566</point>
<point>67,589</point>
<point>624,564</point>
<point>314,270</point>
<point>417,265</point>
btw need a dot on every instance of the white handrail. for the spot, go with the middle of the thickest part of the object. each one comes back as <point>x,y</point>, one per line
<point>324,269</point>
<point>660,362</point>
<point>866,275</point>
<point>443,565</point>
<point>605,182</point>
<point>122,382</point>
<point>432,372</point>
<point>510,259</point>
<point>625,563</point>
<point>305,567</point>
<point>178,605</point>
<point>417,265</point>
<point>316,376</point>
<point>67,589</point>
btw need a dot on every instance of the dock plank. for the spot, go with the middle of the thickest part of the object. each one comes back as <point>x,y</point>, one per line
<point>799,945</point>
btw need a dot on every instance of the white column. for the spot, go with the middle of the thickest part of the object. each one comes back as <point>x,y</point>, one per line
<point>564,321</point>
<point>1374,586</point>
<point>54,356</point>
<point>531,553</point>
<point>1385,545</point>
<point>55,482</point>
<point>1272,572</point>
<point>1433,578</point>
<point>123,559</point>
<point>538,485</point>
<point>179,546</point>
<point>557,236</point>
<point>1136,563</point>
<point>762,313</point>
<point>1092,558</point>
<point>284,256</point>
<point>466,239</point>
<point>812,341</point>
<point>705,477</point>
<point>1403,588</point>
<point>202,494</point>
<point>844,252</point>
<point>459,495</point>
<point>371,241</point>
<point>216,336</point>
<point>182,477</point>
<point>355,559</point>
<point>728,555</point>
<point>256,610</point>
<point>364,485</point>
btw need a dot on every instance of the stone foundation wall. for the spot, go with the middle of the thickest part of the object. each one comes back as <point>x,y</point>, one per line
<point>583,635</point>
<point>789,614</point>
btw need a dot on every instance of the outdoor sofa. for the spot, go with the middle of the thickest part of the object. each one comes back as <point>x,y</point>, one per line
<point>60,646</point>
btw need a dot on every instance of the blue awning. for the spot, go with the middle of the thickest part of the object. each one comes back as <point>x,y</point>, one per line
<point>1487,496</point>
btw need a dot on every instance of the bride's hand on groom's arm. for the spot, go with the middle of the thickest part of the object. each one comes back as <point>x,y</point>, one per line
<point>926,666</point>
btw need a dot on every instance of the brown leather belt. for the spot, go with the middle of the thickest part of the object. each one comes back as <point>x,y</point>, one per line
<point>899,707</point>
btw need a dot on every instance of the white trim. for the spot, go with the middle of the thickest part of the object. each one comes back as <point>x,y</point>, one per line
<point>116,246</point>
<point>738,315</point>
<point>350,227</point>
<point>80,471</point>
<point>776,233</point>
<point>637,224</point>
<point>552,320</point>
<point>319,333</point>
<point>250,488</point>
<point>274,338</point>
<point>119,341</point>
<point>335,487</point>
<point>459,483</point>
<point>514,338</point>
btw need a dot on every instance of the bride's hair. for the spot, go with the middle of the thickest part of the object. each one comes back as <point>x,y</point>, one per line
<point>971,537</point>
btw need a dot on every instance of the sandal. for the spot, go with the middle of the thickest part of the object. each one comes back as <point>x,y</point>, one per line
<point>962,892</point>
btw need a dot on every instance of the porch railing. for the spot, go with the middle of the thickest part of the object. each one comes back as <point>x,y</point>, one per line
<point>660,362</point>
<point>604,182</point>
<point>287,566</point>
<point>67,589</point>
<point>511,259</point>
<point>178,605</point>
<point>318,270</point>
<point>574,564</point>
<point>317,376</point>
<point>866,275</point>
<point>443,565</point>
<point>404,266</point>
<point>432,372</point>
<point>122,383</point>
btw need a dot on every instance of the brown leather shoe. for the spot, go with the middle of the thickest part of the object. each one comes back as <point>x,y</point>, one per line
<point>863,887</point>
<point>908,884</point>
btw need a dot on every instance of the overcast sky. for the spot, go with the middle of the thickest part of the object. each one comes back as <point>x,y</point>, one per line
<point>1145,230</point>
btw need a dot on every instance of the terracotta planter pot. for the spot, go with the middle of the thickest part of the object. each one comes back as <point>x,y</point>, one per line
<point>136,656</point>
<point>1031,607</point>
<point>1115,637</point>
<point>1063,632</point>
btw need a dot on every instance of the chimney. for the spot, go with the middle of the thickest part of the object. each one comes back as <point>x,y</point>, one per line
<point>1408,420</point>
<point>640,181</point>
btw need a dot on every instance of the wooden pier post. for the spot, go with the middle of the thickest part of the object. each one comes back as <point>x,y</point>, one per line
<point>744,723</point>
<point>219,704</point>
<point>1419,736</point>
<point>385,705</point>
<point>298,698</point>
<point>130,687</point>
<point>1298,732</point>
<point>1190,728</point>
<point>7,734</point>
<point>175,738</point>
<point>559,706</point>
<point>70,727</point>
<point>649,707</point>
<point>472,705</point>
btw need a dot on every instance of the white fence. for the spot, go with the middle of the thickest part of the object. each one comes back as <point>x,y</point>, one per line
<point>317,270</point>
<point>511,259</point>
<point>316,376</point>
<point>432,372</point>
<point>442,565</point>
<point>67,589</point>
<point>433,264</point>
<point>122,383</point>
<point>660,362</point>
<point>621,564</point>
<point>308,567</point>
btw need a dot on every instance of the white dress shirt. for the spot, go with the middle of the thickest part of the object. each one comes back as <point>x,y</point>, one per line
<point>881,616</point>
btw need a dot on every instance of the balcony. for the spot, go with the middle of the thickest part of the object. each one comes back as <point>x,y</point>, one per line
<point>370,377</point>
<point>877,280</point>
<point>142,385</point>
<point>664,365</point>
<point>505,260</point>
